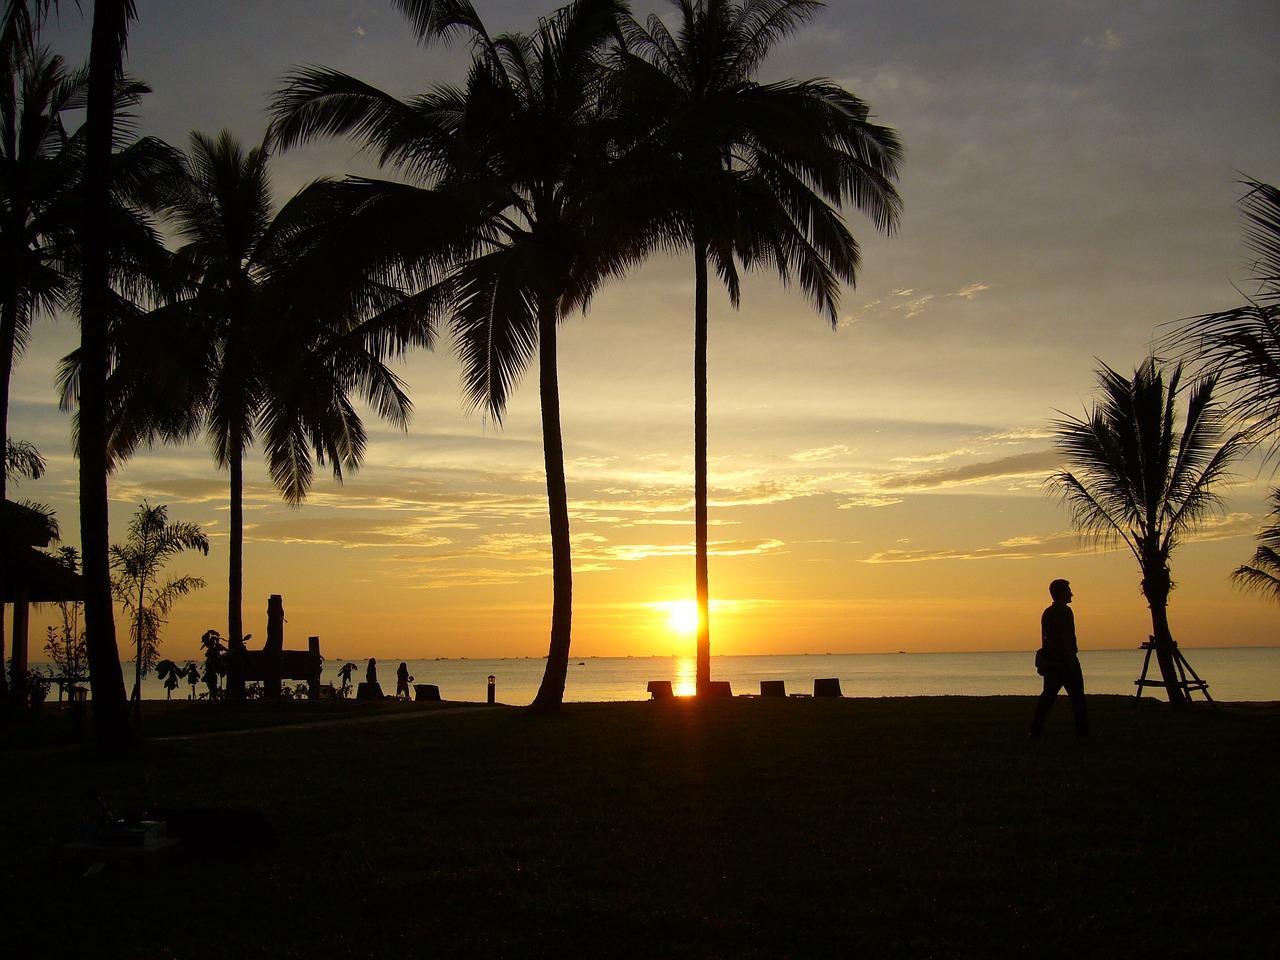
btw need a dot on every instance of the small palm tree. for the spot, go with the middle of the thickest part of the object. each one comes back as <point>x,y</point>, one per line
<point>755,173</point>
<point>1135,477</point>
<point>151,543</point>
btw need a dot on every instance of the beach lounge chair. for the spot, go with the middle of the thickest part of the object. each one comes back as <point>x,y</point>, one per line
<point>660,690</point>
<point>827,687</point>
<point>773,688</point>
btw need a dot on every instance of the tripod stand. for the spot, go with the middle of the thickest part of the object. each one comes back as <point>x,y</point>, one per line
<point>1183,682</point>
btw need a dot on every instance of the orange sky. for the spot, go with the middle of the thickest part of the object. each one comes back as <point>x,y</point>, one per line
<point>1069,187</point>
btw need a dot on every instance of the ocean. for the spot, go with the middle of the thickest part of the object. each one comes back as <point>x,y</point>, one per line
<point>1233,674</point>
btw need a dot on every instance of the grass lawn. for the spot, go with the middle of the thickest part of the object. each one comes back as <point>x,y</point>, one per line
<point>915,827</point>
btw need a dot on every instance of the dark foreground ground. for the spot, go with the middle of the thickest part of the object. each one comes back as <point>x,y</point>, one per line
<point>738,828</point>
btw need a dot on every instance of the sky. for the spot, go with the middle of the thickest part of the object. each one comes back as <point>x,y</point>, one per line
<point>1070,185</point>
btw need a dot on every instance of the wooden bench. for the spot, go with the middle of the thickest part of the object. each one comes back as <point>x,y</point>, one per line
<point>660,690</point>
<point>827,687</point>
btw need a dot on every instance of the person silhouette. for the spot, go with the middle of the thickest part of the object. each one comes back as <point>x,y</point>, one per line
<point>1060,661</point>
<point>371,672</point>
<point>402,679</point>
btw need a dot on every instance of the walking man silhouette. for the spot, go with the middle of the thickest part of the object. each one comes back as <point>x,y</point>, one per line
<point>1060,661</point>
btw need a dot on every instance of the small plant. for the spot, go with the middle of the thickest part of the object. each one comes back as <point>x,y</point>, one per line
<point>171,674</point>
<point>344,674</point>
<point>215,662</point>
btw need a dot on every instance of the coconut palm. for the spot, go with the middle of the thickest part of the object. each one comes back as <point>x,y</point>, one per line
<point>110,29</point>
<point>755,173</point>
<point>1262,573</point>
<point>1243,344</point>
<point>266,340</point>
<point>517,162</point>
<point>151,543</point>
<point>1136,477</point>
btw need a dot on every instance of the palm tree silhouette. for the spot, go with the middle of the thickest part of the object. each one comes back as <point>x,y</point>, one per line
<point>265,339</point>
<point>152,541</point>
<point>111,19</point>
<point>755,173</point>
<point>1262,573</point>
<point>1136,478</point>
<point>511,229</point>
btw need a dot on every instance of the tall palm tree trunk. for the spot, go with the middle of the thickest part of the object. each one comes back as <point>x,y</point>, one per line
<point>235,577</point>
<point>551,691</point>
<point>701,578</point>
<point>8,340</point>
<point>106,679</point>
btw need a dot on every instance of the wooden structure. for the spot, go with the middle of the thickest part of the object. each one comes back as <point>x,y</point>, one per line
<point>30,575</point>
<point>1185,683</point>
<point>273,663</point>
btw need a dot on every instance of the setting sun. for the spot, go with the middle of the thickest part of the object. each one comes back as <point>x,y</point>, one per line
<point>682,616</point>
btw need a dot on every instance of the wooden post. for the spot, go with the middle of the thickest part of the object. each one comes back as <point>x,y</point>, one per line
<point>274,646</point>
<point>313,681</point>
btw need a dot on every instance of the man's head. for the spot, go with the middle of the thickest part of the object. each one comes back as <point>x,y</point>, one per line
<point>1060,590</point>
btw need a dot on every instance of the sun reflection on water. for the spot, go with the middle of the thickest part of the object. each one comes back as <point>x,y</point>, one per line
<point>685,683</point>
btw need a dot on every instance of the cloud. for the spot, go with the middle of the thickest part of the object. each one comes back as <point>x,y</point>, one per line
<point>1039,462</point>
<point>1108,42</point>
<point>1018,548</point>
<point>347,531</point>
<point>971,291</point>
<point>820,453</point>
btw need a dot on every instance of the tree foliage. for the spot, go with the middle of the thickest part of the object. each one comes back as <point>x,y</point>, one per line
<point>1136,476</point>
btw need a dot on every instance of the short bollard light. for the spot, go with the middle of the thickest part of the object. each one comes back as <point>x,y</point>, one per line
<point>492,687</point>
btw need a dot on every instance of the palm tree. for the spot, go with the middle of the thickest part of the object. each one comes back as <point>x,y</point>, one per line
<point>111,20</point>
<point>38,170</point>
<point>1136,478</point>
<point>1243,344</point>
<point>266,339</point>
<point>756,173</point>
<point>151,543</point>
<point>1262,573</point>
<point>509,175</point>
<point>20,22</point>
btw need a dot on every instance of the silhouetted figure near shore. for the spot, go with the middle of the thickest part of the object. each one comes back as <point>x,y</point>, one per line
<point>402,679</point>
<point>1060,661</point>
<point>371,672</point>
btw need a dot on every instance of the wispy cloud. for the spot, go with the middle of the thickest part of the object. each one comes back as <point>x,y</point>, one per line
<point>971,291</point>
<point>1108,42</point>
<point>820,453</point>
<point>1036,463</point>
<point>1019,548</point>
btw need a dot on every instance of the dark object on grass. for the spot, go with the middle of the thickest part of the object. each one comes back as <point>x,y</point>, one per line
<point>369,691</point>
<point>426,691</point>
<point>660,690</point>
<point>719,688</point>
<point>827,687</point>
<point>214,831</point>
<point>773,688</point>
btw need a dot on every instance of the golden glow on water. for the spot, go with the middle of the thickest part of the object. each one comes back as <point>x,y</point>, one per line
<point>685,683</point>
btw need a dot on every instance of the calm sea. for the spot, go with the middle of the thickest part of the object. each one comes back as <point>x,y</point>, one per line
<point>1243,673</point>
